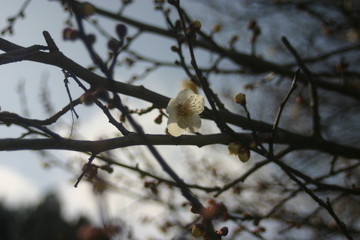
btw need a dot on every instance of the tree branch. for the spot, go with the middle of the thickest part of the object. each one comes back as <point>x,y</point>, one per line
<point>257,65</point>
<point>314,99</point>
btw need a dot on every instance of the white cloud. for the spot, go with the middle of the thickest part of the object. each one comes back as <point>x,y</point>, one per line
<point>77,201</point>
<point>16,189</point>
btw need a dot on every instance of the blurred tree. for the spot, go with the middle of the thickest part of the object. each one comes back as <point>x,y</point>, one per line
<point>293,69</point>
<point>38,222</point>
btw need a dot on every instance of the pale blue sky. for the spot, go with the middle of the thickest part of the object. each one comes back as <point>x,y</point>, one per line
<point>43,15</point>
<point>25,176</point>
<point>47,15</point>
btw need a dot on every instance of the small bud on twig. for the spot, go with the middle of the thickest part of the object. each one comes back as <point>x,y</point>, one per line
<point>195,26</point>
<point>223,231</point>
<point>70,34</point>
<point>216,28</point>
<point>244,155</point>
<point>88,98</point>
<point>114,45</point>
<point>240,98</point>
<point>121,30</point>
<point>86,9</point>
<point>234,148</point>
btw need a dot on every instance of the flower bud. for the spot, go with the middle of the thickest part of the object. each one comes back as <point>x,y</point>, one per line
<point>121,30</point>
<point>240,98</point>
<point>87,9</point>
<point>114,45</point>
<point>174,48</point>
<point>234,148</point>
<point>88,98</point>
<point>216,28</point>
<point>70,34</point>
<point>195,26</point>
<point>189,84</point>
<point>223,231</point>
<point>244,155</point>
<point>122,118</point>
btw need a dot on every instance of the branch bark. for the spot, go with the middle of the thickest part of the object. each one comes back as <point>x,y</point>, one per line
<point>133,139</point>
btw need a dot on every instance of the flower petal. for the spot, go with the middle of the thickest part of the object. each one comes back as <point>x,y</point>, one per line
<point>175,130</point>
<point>196,103</point>
<point>194,123</point>
<point>173,127</point>
<point>183,112</point>
<point>184,122</point>
<point>172,106</point>
<point>184,95</point>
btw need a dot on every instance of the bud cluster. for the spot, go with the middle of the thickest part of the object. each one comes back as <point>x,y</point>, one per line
<point>70,34</point>
<point>114,44</point>
<point>193,29</point>
<point>243,153</point>
<point>214,210</point>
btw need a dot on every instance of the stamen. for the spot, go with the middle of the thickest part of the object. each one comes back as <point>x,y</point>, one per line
<point>183,110</point>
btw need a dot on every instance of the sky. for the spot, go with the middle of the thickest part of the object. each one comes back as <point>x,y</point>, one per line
<point>23,173</point>
<point>24,176</point>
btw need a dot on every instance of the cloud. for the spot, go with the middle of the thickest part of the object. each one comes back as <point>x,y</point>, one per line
<point>16,189</point>
<point>78,201</point>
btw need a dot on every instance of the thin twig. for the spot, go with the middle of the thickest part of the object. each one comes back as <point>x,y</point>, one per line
<point>85,170</point>
<point>256,167</point>
<point>204,84</point>
<point>281,108</point>
<point>73,112</point>
<point>59,114</point>
<point>106,111</point>
<point>12,20</point>
<point>97,60</point>
<point>314,100</point>
<point>160,179</point>
<point>326,206</point>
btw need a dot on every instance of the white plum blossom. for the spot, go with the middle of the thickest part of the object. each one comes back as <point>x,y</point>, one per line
<point>184,113</point>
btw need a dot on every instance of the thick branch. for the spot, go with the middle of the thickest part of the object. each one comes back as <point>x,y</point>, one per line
<point>60,60</point>
<point>13,144</point>
<point>159,101</point>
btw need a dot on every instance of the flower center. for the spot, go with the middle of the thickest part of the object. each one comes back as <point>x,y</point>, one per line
<point>183,110</point>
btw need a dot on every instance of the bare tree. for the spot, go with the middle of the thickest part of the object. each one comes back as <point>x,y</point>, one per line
<point>297,136</point>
